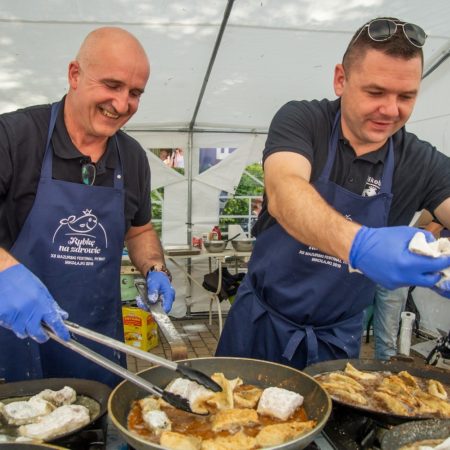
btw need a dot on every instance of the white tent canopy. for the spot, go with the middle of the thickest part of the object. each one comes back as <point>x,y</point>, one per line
<point>220,70</point>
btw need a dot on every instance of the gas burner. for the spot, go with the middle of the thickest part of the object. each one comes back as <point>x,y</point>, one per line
<point>350,430</point>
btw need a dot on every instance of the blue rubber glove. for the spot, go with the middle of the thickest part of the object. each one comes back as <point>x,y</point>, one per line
<point>382,255</point>
<point>158,285</point>
<point>443,289</point>
<point>25,302</point>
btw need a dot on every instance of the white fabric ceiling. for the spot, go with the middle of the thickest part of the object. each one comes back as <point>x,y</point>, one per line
<point>272,51</point>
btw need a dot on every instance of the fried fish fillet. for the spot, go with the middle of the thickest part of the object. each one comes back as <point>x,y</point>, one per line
<point>65,396</point>
<point>437,389</point>
<point>224,399</point>
<point>236,441</point>
<point>341,378</point>
<point>357,374</point>
<point>178,441</point>
<point>280,433</point>
<point>62,420</point>
<point>345,394</point>
<point>233,419</point>
<point>24,412</point>
<point>429,404</point>
<point>248,397</point>
<point>391,403</point>
<point>408,379</point>
<point>194,392</point>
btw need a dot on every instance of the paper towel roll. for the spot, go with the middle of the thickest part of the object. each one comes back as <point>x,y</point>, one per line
<point>408,319</point>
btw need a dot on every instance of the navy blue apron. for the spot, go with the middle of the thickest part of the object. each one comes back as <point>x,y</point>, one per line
<point>301,306</point>
<point>72,240</point>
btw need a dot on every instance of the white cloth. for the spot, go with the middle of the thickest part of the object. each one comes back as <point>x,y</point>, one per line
<point>435,249</point>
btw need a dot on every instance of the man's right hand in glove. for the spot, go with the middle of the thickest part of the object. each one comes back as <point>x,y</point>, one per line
<point>382,255</point>
<point>25,303</point>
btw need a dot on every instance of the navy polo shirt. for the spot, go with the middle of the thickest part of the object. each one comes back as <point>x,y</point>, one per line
<point>421,173</point>
<point>23,135</point>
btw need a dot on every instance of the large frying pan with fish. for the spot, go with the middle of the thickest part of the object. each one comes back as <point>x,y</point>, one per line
<point>263,374</point>
<point>93,394</point>
<point>427,372</point>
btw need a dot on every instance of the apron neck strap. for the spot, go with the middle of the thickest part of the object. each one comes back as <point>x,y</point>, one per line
<point>47,165</point>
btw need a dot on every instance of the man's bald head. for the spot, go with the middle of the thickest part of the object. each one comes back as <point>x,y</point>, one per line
<point>106,40</point>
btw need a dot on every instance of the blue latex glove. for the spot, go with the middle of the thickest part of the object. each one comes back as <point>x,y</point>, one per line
<point>158,285</point>
<point>382,255</point>
<point>25,302</point>
<point>443,289</point>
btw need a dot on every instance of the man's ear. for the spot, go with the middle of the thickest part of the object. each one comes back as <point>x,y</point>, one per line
<point>73,74</point>
<point>339,79</point>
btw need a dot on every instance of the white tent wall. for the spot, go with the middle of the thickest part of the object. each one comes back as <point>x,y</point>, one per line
<point>272,51</point>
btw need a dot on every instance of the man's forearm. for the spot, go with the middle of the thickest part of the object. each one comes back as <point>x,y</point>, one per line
<point>144,248</point>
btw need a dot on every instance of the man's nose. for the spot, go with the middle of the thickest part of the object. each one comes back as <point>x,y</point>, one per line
<point>390,106</point>
<point>121,101</point>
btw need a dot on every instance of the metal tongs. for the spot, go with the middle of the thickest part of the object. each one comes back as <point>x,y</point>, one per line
<point>173,399</point>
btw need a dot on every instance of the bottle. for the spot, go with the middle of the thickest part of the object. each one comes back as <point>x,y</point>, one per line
<point>216,230</point>
<point>408,319</point>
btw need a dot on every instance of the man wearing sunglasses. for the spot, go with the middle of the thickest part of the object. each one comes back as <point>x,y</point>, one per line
<point>73,188</point>
<point>343,178</point>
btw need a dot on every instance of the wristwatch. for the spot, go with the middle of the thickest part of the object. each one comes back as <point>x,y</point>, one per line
<point>161,268</point>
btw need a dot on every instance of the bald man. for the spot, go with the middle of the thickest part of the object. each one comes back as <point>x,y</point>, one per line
<point>73,189</point>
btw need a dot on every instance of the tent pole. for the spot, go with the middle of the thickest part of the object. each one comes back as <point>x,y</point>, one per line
<point>189,180</point>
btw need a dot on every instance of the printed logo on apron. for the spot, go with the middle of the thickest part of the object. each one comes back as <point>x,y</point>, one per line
<point>79,241</point>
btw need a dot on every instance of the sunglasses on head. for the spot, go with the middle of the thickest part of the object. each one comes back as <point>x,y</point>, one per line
<point>380,30</point>
<point>88,173</point>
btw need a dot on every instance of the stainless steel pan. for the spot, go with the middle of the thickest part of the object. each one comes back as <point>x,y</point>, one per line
<point>260,373</point>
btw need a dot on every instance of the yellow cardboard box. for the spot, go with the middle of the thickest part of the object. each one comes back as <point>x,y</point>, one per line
<point>140,328</point>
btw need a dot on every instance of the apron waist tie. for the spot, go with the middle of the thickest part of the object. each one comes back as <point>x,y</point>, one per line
<point>311,333</point>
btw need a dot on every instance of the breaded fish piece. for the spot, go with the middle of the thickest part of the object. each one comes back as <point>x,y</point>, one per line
<point>194,392</point>
<point>357,374</point>
<point>278,402</point>
<point>408,379</point>
<point>280,433</point>
<point>236,441</point>
<point>345,394</point>
<point>247,398</point>
<point>24,412</point>
<point>233,419</point>
<point>178,441</point>
<point>65,396</point>
<point>224,399</point>
<point>157,421</point>
<point>62,420</point>
<point>391,403</point>
<point>341,378</point>
<point>437,389</point>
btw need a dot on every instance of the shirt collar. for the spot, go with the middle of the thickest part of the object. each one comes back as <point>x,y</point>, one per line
<point>64,148</point>
<point>374,157</point>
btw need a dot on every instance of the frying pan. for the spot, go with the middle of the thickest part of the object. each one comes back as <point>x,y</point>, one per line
<point>92,389</point>
<point>317,403</point>
<point>411,432</point>
<point>380,366</point>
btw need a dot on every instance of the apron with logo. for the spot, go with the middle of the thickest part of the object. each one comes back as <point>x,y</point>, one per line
<point>72,240</point>
<point>298,305</point>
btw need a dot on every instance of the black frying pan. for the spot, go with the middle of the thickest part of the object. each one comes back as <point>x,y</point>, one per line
<point>93,389</point>
<point>379,366</point>
<point>411,432</point>
<point>263,374</point>
<point>23,446</point>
